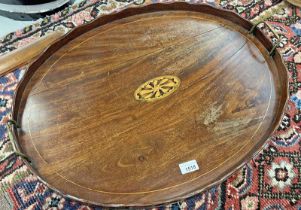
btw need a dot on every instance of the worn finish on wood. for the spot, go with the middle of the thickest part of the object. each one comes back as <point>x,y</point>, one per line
<point>88,135</point>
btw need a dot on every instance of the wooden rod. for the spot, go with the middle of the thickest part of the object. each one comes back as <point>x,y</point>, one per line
<point>24,55</point>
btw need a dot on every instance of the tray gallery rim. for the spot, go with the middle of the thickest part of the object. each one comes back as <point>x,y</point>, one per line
<point>128,13</point>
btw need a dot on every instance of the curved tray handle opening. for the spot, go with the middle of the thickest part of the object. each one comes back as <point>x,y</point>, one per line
<point>11,124</point>
<point>254,27</point>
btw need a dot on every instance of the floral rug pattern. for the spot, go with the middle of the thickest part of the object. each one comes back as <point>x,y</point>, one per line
<point>271,180</point>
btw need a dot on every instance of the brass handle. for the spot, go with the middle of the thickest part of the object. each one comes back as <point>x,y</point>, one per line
<point>272,51</point>
<point>9,126</point>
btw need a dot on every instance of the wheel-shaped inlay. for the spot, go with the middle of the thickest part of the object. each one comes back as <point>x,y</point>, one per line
<point>157,88</point>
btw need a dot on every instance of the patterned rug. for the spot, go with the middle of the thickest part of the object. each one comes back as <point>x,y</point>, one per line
<point>271,180</point>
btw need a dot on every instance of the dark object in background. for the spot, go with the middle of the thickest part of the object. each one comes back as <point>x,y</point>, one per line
<point>31,9</point>
<point>25,2</point>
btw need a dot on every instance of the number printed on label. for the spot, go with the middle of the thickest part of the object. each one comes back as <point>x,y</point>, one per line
<point>189,167</point>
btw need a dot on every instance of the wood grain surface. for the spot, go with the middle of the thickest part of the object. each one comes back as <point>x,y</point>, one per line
<point>89,137</point>
<point>295,2</point>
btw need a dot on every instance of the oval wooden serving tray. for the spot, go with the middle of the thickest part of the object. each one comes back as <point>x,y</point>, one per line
<point>109,111</point>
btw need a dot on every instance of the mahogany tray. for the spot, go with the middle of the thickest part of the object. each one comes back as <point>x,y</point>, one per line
<point>108,112</point>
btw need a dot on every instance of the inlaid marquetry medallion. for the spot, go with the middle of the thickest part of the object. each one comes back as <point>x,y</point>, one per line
<point>157,88</point>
